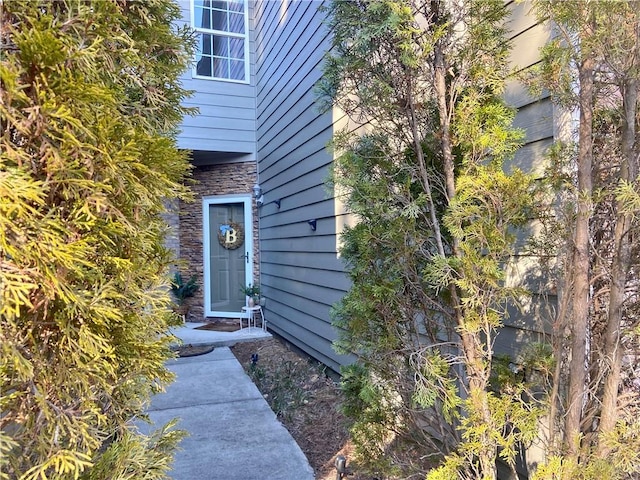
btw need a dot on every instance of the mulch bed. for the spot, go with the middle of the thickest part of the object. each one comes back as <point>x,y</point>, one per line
<point>305,399</point>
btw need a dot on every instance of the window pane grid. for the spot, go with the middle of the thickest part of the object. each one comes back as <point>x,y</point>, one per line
<point>220,26</point>
<point>220,17</point>
<point>225,54</point>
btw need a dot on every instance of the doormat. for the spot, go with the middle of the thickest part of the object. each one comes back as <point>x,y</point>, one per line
<point>193,350</point>
<point>220,326</point>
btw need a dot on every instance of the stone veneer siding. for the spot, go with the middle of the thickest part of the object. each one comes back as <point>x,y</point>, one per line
<point>172,239</point>
<point>224,179</point>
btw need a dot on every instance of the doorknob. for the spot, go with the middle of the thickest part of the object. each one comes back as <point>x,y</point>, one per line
<point>245,256</point>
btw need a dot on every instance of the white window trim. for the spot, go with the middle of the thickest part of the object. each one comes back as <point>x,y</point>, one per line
<point>247,62</point>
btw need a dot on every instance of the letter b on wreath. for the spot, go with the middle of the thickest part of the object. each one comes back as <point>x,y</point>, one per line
<point>230,235</point>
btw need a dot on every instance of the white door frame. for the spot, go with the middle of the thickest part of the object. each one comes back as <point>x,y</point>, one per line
<point>245,199</point>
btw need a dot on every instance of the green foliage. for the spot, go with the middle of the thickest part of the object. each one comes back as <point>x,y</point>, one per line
<point>488,206</point>
<point>628,196</point>
<point>605,32</point>
<point>386,252</point>
<point>390,242</point>
<point>378,418</point>
<point>622,464</point>
<point>434,384</point>
<point>147,456</point>
<point>483,128</point>
<point>624,458</point>
<point>251,290</point>
<point>514,426</point>
<point>286,386</point>
<point>426,264</point>
<point>90,103</point>
<point>451,469</point>
<point>182,290</point>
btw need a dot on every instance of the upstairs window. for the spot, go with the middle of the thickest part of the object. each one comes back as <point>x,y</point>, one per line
<point>222,39</point>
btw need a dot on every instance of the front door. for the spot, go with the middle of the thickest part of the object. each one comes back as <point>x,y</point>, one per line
<point>228,253</point>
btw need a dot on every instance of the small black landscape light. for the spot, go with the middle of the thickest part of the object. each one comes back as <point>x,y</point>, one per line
<point>254,358</point>
<point>312,223</point>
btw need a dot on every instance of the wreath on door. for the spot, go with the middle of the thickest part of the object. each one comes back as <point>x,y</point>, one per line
<point>230,235</point>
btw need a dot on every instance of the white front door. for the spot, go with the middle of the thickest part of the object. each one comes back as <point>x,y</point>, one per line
<point>228,253</point>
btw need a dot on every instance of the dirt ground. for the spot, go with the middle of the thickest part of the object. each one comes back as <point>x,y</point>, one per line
<point>305,399</point>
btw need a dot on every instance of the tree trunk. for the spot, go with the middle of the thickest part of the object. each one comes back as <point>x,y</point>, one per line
<point>478,372</point>
<point>560,342</point>
<point>580,273</point>
<point>620,269</point>
<point>477,364</point>
<point>445,127</point>
<point>424,175</point>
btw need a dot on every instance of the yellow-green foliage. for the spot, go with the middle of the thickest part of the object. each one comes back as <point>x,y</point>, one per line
<point>622,462</point>
<point>89,104</point>
<point>437,221</point>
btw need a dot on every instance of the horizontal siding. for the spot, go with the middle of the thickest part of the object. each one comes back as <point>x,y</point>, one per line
<point>521,16</point>
<point>534,114</point>
<point>527,35</point>
<point>299,115</point>
<point>303,244</point>
<point>511,341</point>
<point>207,132</point>
<point>299,157</point>
<point>285,25</point>
<point>216,145</point>
<point>296,144</point>
<point>528,157</point>
<point>537,117</point>
<point>517,95</point>
<point>294,56</point>
<point>317,276</point>
<point>297,335</point>
<point>520,331</point>
<point>218,124</point>
<point>312,300</point>
<point>226,121</point>
<point>526,47</point>
<point>297,229</point>
<point>301,274</point>
<point>213,102</point>
<point>322,261</point>
<point>218,111</point>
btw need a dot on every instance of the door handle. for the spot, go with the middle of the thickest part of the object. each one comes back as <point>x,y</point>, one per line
<point>245,256</point>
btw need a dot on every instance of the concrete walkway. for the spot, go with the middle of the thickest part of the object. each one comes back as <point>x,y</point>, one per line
<point>233,434</point>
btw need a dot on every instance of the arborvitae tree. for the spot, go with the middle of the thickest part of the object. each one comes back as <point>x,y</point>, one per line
<point>90,100</point>
<point>592,67</point>
<point>436,217</point>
